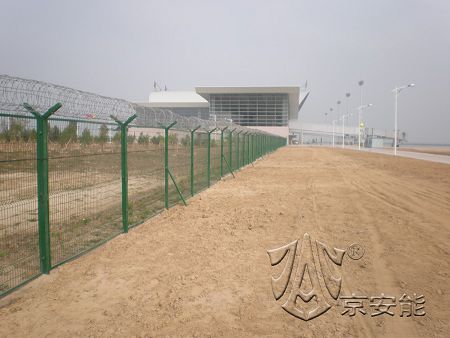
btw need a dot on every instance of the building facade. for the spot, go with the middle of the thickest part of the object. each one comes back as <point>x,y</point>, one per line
<point>264,108</point>
<point>251,109</point>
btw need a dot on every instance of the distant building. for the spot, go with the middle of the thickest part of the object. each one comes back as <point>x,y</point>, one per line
<point>264,108</point>
<point>185,103</point>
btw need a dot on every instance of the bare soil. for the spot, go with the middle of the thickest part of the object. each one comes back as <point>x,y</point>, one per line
<point>203,270</point>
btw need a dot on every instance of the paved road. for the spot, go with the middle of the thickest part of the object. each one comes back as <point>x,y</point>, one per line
<point>411,154</point>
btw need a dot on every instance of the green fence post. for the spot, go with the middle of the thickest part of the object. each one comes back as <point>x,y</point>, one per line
<point>243,148</point>
<point>238,160</point>
<point>250,143</point>
<point>258,140</point>
<point>124,166</point>
<point>248,148</point>
<point>208,161</point>
<point>261,145</point>
<point>230,147</point>
<point>192,159</point>
<point>253,147</point>
<point>263,137</point>
<point>208,169</point>
<point>257,146</point>
<point>266,140</point>
<point>261,150</point>
<point>221,151</point>
<point>42,184</point>
<point>166,163</point>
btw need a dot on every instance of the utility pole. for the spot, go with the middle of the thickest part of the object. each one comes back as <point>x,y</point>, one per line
<point>397,91</point>
<point>360,84</point>
<point>347,95</point>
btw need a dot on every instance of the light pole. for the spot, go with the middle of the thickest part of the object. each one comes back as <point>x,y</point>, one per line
<point>397,91</point>
<point>343,126</point>
<point>360,84</point>
<point>347,95</point>
<point>360,109</point>
<point>333,122</point>
<point>338,108</point>
<point>331,114</point>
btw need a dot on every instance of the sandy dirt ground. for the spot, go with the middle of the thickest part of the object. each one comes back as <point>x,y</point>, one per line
<point>203,270</point>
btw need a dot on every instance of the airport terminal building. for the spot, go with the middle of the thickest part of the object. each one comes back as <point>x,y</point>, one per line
<point>264,108</point>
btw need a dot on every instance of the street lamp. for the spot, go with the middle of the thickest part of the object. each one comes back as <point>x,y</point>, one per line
<point>333,122</point>
<point>360,84</point>
<point>343,127</point>
<point>347,95</point>
<point>326,115</point>
<point>338,108</point>
<point>331,114</point>
<point>360,109</point>
<point>397,91</point>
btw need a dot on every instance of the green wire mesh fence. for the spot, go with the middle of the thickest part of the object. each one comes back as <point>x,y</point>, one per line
<point>19,251</point>
<point>77,169</point>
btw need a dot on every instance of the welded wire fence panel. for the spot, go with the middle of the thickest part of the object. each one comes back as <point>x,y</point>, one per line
<point>19,250</point>
<point>235,152</point>
<point>84,187</point>
<point>200,161</point>
<point>245,150</point>
<point>241,150</point>
<point>226,152</point>
<point>145,173</point>
<point>179,165</point>
<point>215,157</point>
<point>250,148</point>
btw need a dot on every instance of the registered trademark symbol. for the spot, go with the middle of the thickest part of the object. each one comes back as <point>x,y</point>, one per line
<point>355,251</point>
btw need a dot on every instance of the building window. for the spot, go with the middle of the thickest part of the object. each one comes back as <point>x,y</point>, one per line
<point>251,109</point>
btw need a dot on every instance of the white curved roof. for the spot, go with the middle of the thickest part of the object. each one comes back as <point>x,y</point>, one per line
<point>176,99</point>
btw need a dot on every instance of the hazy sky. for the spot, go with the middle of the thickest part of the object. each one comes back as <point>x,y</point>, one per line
<point>118,48</point>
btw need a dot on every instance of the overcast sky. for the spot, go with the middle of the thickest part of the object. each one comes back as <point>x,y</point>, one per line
<point>118,48</point>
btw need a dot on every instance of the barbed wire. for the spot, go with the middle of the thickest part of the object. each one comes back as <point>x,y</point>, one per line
<point>81,105</point>
<point>40,95</point>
